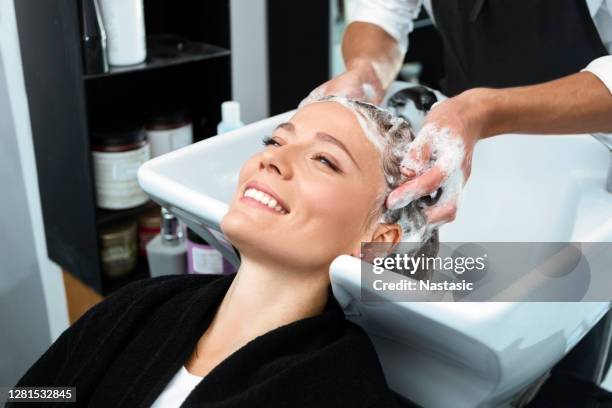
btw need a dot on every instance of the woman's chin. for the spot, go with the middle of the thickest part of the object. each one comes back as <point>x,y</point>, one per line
<point>260,237</point>
<point>256,241</point>
<point>235,226</point>
<point>244,230</point>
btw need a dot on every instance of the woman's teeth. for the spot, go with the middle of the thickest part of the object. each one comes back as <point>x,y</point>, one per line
<point>264,199</point>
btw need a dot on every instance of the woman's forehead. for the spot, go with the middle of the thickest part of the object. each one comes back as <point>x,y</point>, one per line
<point>342,123</point>
<point>339,120</point>
<point>318,114</point>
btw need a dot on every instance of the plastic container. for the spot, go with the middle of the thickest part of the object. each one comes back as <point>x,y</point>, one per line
<point>149,226</point>
<point>167,252</point>
<point>93,37</point>
<point>168,130</point>
<point>118,248</point>
<point>230,117</point>
<point>118,151</point>
<point>125,31</point>
<point>203,258</point>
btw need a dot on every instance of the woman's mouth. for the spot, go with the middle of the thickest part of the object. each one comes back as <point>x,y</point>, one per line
<point>264,199</point>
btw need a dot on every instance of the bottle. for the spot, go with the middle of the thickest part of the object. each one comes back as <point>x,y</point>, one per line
<point>125,31</point>
<point>230,117</point>
<point>167,252</point>
<point>94,38</point>
<point>118,249</point>
<point>149,226</point>
<point>204,258</point>
<point>168,129</point>
<point>119,148</point>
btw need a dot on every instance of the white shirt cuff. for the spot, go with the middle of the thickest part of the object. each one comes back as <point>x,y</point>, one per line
<point>602,68</point>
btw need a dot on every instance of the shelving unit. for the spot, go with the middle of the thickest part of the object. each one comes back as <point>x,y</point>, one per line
<point>111,285</point>
<point>107,216</point>
<point>166,51</point>
<point>188,62</point>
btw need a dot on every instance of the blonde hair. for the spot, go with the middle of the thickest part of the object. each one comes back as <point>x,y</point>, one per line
<point>392,135</point>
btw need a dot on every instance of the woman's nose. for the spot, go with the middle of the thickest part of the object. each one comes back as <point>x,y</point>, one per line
<point>276,160</point>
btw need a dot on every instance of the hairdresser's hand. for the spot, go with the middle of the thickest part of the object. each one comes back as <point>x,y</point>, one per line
<point>440,158</point>
<point>358,82</point>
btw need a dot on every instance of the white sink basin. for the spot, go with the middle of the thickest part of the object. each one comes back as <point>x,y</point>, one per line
<point>442,354</point>
<point>546,189</point>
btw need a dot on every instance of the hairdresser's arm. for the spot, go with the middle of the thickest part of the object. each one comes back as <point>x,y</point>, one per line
<point>373,48</point>
<point>579,103</point>
<point>372,59</point>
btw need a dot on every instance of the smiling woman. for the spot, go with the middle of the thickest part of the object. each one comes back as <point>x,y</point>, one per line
<point>331,166</point>
<point>272,334</point>
<point>329,177</point>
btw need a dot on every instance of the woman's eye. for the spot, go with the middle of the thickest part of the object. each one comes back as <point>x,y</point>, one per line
<point>327,162</point>
<point>270,141</point>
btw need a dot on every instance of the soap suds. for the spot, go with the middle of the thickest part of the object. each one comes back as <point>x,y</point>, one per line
<point>447,153</point>
<point>366,126</point>
<point>368,91</point>
<point>447,150</point>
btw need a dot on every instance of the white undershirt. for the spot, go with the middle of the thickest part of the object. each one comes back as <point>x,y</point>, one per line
<point>177,390</point>
<point>395,17</point>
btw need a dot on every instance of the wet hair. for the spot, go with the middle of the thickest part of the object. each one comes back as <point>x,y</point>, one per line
<point>392,135</point>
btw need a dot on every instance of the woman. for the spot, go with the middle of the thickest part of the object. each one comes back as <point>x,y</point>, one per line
<point>271,335</point>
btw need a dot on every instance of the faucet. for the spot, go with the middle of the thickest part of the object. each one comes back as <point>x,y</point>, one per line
<point>412,104</point>
<point>606,139</point>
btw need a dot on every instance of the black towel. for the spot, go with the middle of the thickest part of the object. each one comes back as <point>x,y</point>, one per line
<point>124,351</point>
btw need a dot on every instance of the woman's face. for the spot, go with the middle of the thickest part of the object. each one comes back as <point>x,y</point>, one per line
<point>320,178</point>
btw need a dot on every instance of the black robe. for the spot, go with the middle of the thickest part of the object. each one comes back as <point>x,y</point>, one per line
<point>124,351</point>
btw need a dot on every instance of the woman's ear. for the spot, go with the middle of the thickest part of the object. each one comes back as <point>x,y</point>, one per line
<point>389,233</point>
<point>383,233</point>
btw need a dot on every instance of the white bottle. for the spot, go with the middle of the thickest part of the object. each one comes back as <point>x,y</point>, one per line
<point>230,117</point>
<point>167,252</point>
<point>125,31</point>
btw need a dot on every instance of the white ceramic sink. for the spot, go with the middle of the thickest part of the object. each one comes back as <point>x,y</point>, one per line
<point>522,188</point>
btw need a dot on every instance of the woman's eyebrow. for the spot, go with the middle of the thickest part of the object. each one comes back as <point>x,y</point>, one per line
<point>287,126</point>
<point>325,137</point>
<point>329,138</point>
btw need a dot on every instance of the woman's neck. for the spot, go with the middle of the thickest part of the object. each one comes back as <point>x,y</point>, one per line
<point>260,299</point>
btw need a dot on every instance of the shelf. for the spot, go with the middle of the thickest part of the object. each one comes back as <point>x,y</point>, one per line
<point>107,216</point>
<point>166,50</point>
<point>141,271</point>
<point>52,53</point>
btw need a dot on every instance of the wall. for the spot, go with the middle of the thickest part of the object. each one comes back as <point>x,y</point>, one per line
<point>32,299</point>
<point>250,58</point>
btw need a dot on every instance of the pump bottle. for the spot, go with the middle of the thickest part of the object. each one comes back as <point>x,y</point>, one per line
<point>167,252</point>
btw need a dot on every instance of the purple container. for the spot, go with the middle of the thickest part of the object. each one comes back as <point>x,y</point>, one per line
<point>203,258</point>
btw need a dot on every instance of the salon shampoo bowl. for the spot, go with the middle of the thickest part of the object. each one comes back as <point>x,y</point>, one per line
<point>440,354</point>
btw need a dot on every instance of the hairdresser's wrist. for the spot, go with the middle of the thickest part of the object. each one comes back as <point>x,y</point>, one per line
<point>466,114</point>
<point>365,70</point>
<point>481,109</point>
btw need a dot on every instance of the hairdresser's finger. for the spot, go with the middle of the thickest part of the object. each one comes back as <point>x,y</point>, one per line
<point>446,207</point>
<point>408,172</point>
<point>342,90</point>
<point>422,185</point>
<point>441,213</point>
<point>353,85</point>
<point>416,160</point>
<point>418,156</point>
<point>424,153</point>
